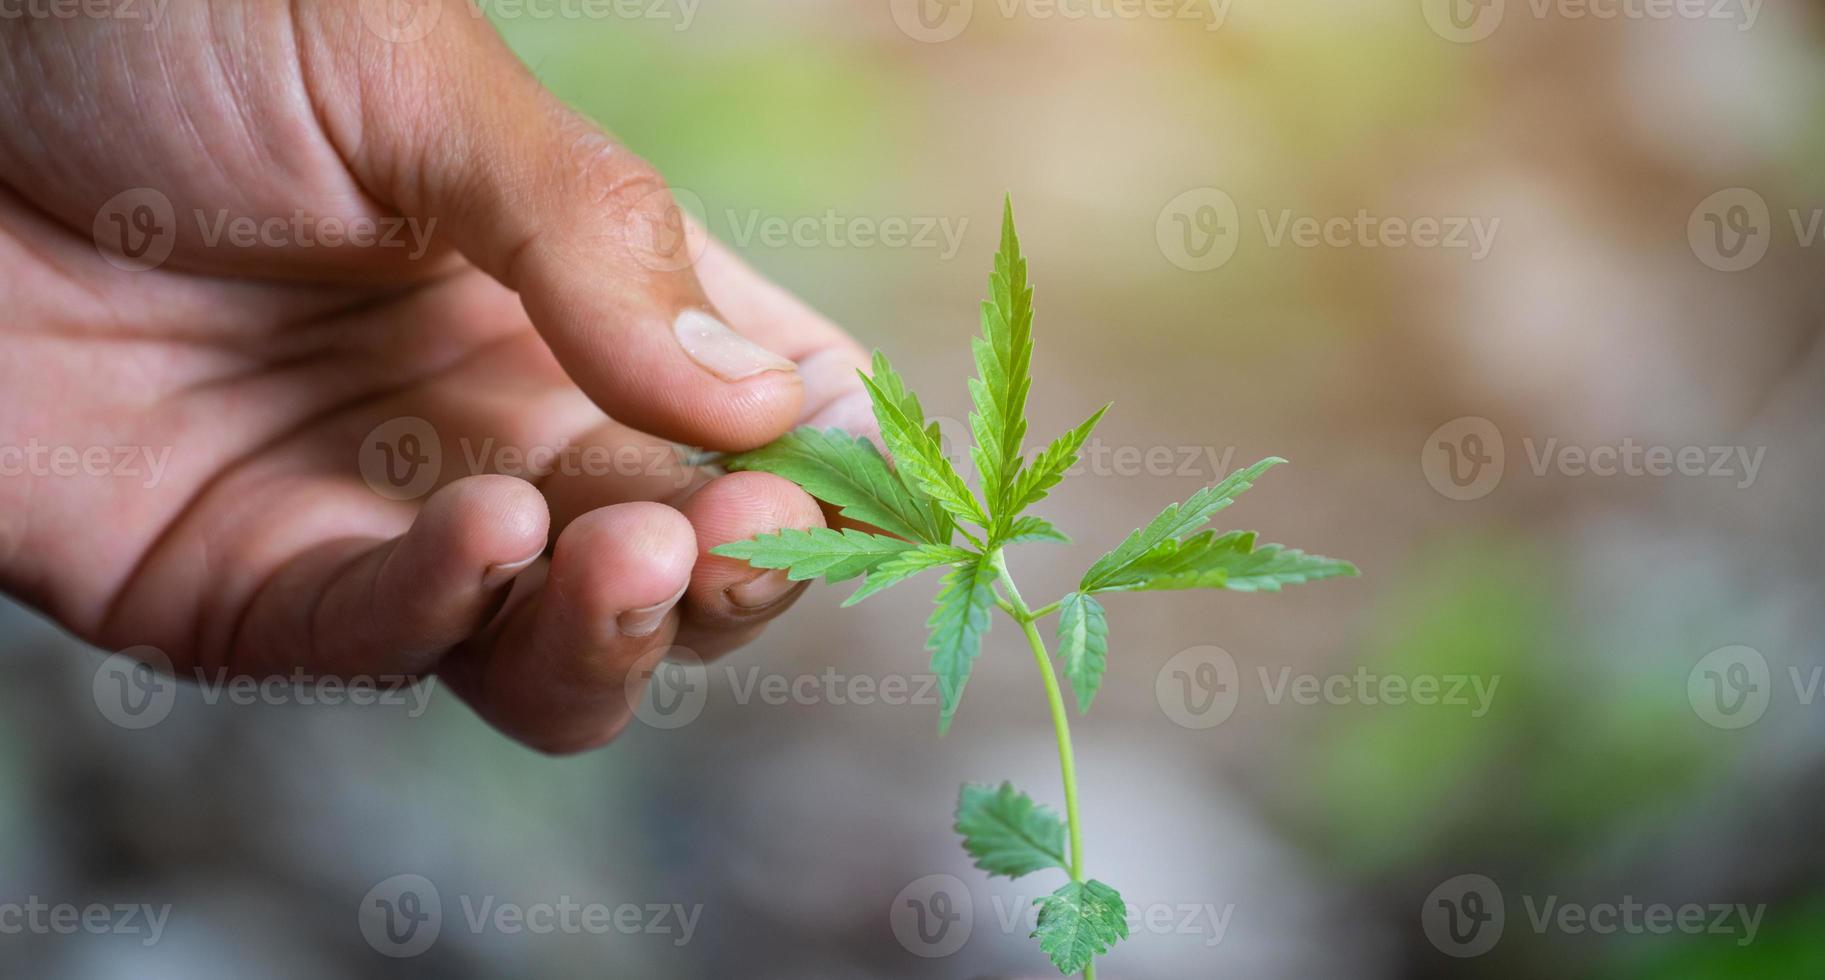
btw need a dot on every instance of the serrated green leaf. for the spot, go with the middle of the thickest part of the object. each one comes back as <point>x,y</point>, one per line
<point>1043,473</point>
<point>905,565</point>
<point>1173,522</point>
<point>1007,833</point>
<point>847,472</point>
<point>917,449</point>
<point>1004,363</point>
<point>1034,529</point>
<point>1079,922</point>
<point>1083,642</point>
<point>957,628</point>
<point>1226,561</point>
<point>836,555</point>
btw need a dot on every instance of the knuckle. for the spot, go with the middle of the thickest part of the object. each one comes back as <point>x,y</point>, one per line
<point>611,178</point>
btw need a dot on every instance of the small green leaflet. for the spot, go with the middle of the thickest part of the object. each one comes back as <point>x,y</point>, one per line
<point>1007,833</point>
<point>915,444</point>
<point>848,472</point>
<point>836,555</point>
<point>1079,922</point>
<point>957,627</point>
<point>1034,529</point>
<point>905,565</point>
<point>1174,521</point>
<point>1083,642</point>
<point>1049,467</point>
<point>1004,362</point>
<point>1227,561</point>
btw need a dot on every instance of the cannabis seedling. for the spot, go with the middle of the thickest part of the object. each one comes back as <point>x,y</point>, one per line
<point>924,505</point>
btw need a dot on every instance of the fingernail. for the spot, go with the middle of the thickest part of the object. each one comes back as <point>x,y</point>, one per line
<point>722,351</point>
<point>645,620</point>
<point>495,576</point>
<point>853,413</point>
<point>760,592</point>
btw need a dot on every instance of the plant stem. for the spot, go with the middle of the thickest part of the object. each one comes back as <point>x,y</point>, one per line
<point>1046,610</point>
<point>1061,718</point>
<point>1061,724</point>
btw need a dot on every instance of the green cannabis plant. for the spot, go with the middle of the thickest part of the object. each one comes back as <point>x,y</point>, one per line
<point>922,505</point>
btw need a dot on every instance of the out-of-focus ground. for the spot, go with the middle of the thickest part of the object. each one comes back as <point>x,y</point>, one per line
<point>1614,764</point>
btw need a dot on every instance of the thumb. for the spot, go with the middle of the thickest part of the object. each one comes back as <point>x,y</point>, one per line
<point>451,128</point>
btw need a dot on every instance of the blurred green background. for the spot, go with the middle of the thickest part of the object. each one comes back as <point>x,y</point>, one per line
<point>1599,774</point>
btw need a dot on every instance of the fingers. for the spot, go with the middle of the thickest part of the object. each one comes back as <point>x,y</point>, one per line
<point>728,599</point>
<point>353,608</point>
<point>562,670</point>
<point>828,358</point>
<point>451,127</point>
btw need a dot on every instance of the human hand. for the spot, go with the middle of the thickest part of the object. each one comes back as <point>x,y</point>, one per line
<point>539,292</point>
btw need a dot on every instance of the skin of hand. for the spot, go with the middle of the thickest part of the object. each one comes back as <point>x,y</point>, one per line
<point>557,301</point>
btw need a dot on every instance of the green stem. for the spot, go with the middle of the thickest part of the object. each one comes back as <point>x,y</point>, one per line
<point>1061,718</point>
<point>1046,610</point>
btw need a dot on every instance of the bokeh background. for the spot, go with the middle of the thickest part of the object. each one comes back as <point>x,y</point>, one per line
<point>1650,643</point>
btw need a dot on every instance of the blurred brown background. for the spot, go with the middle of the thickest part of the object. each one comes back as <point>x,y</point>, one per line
<point>1534,264</point>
